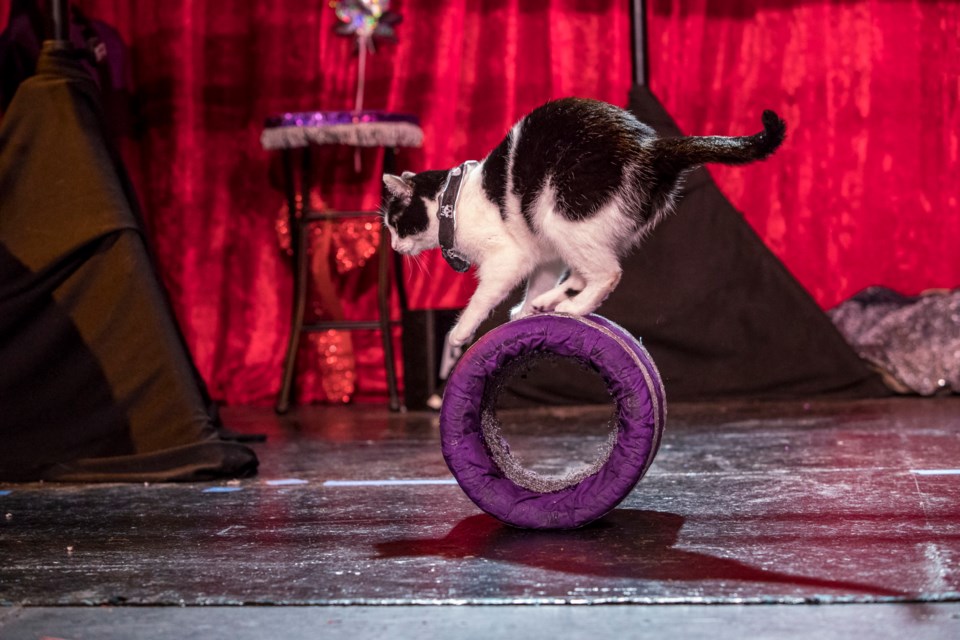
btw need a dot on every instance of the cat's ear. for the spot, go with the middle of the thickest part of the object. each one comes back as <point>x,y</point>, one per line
<point>397,186</point>
<point>406,175</point>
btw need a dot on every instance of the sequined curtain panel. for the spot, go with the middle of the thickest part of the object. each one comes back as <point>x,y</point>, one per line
<point>208,73</point>
<point>865,190</point>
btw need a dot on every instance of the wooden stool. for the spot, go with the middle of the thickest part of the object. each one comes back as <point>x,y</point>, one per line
<point>295,132</point>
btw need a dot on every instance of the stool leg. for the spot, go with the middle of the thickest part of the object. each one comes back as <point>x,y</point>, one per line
<point>383,299</point>
<point>296,319</point>
<point>298,243</point>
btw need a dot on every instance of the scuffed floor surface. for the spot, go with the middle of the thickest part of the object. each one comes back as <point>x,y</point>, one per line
<point>850,504</point>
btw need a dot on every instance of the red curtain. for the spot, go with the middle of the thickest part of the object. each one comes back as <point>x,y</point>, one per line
<point>208,73</point>
<point>865,190</point>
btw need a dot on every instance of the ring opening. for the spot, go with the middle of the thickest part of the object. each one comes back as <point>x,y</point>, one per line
<point>515,438</point>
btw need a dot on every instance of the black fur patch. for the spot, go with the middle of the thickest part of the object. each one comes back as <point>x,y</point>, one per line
<point>774,131</point>
<point>495,175</point>
<point>675,155</point>
<point>581,147</point>
<point>409,217</point>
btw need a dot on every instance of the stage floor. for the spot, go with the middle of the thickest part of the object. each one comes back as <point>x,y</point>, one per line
<point>751,514</point>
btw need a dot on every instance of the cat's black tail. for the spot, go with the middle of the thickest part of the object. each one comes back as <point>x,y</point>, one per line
<point>677,154</point>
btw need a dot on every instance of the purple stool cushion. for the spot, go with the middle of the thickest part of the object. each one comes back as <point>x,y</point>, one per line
<point>471,447</point>
<point>354,128</point>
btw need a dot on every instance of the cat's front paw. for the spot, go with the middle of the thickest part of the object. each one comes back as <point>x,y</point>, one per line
<point>459,337</point>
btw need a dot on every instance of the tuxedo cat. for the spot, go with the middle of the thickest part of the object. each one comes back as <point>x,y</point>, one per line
<point>571,189</point>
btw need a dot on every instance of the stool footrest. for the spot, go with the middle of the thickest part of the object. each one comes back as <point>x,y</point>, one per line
<point>316,215</point>
<point>345,324</point>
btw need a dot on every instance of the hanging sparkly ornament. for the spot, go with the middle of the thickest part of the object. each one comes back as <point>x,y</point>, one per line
<point>365,20</point>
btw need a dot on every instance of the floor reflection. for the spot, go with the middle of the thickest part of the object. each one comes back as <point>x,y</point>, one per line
<point>628,543</point>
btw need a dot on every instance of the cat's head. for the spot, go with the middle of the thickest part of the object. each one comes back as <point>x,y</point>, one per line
<point>410,210</point>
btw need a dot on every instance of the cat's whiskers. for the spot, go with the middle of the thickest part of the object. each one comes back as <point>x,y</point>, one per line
<point>415,259</point>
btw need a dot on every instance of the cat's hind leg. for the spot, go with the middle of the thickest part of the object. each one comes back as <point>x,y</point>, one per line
<point>542,280</point>
<point>600,278</point>
<point>588,249</point>
<point>548,300</point>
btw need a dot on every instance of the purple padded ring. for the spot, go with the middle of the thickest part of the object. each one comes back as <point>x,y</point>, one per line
<point>474,451</point>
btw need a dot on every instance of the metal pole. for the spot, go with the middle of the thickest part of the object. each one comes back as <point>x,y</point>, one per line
<point>60,18</point>
<point>638,37</point>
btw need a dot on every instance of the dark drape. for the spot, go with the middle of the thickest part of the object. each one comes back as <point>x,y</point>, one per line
<point>96,383</point>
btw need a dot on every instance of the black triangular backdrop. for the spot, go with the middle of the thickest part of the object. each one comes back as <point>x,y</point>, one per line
<point>720,314</point>
<point>96,383</point>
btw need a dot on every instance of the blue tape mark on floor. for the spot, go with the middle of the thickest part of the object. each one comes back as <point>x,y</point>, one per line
<point>5,492</point>
<point>388,483</point>
<point>285,482</point>
<point>222,489</point>
<point>935,472</point>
